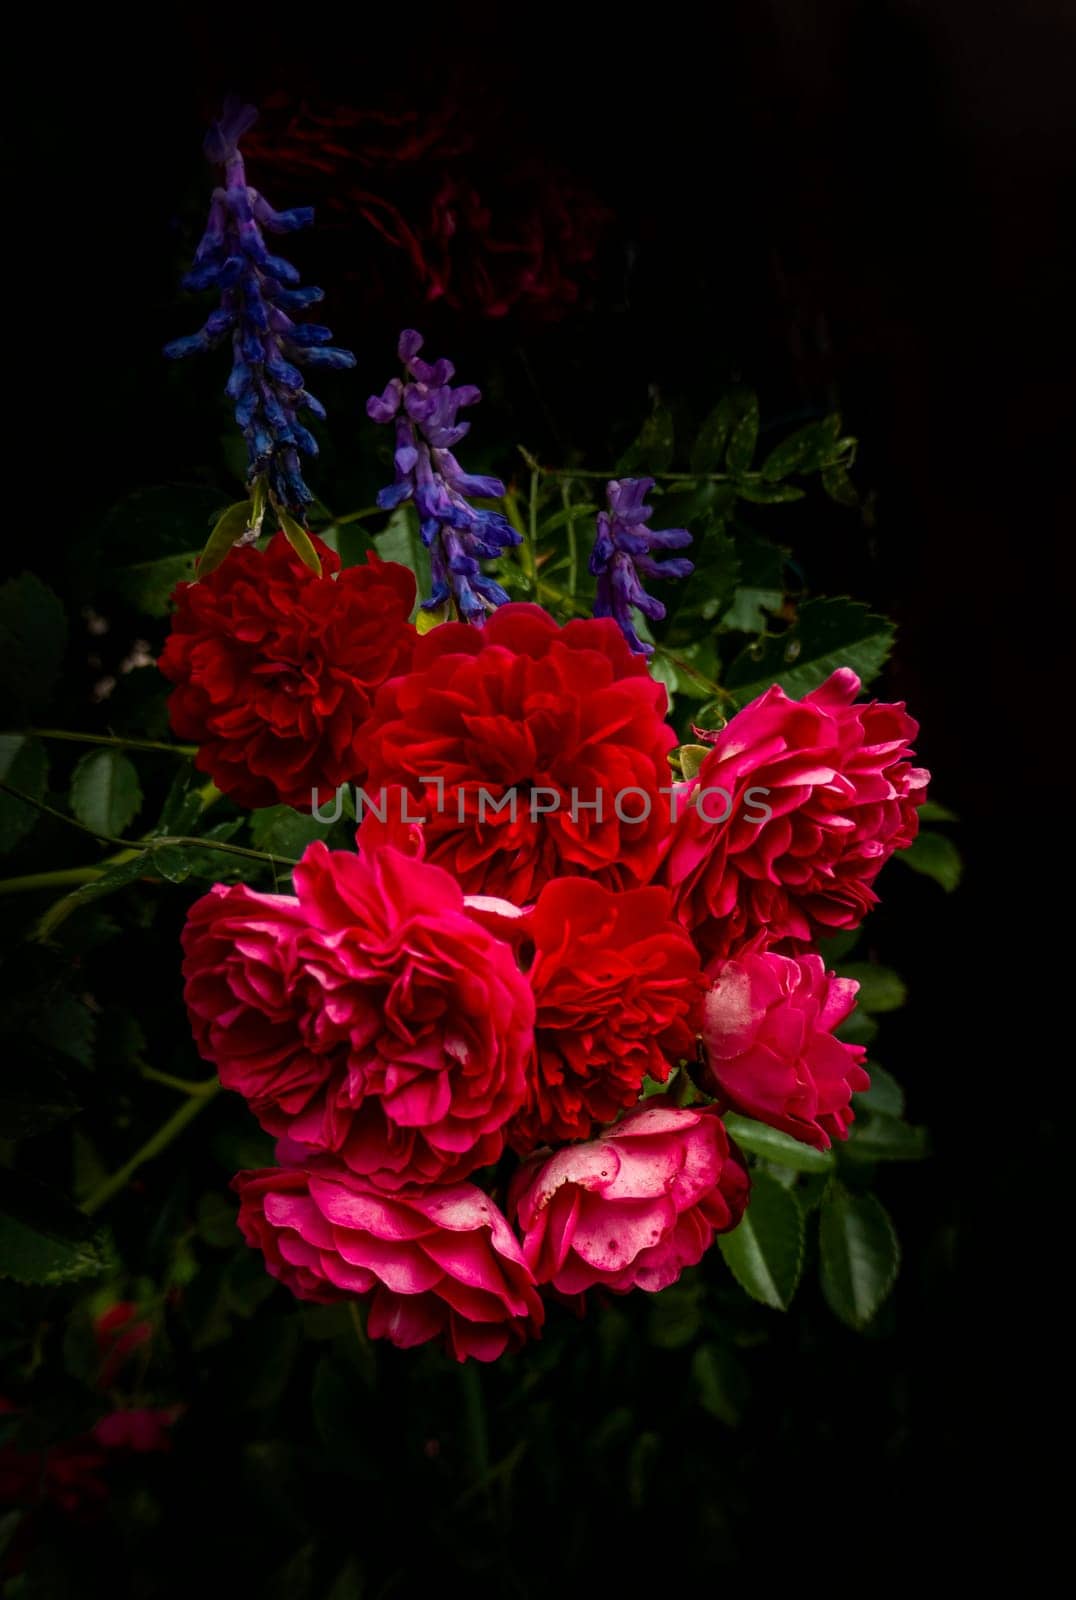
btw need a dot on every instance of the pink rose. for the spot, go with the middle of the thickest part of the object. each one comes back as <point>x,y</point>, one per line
<point>369,1015</point>
<point>632,1209</point>
<point>768,1031</point>
<point>838,781</point>
<point>439,1263</point>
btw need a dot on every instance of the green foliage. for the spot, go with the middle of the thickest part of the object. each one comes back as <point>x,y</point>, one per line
<point>44,1239</point>
<point>652,451</point>
<point>400,541</point>
<point>935,856</point>
<point>281,831</point>
<point>761,1140</point>
<point>859,1254</point>
<point>23,764</point>
<point>299,540</point>
<point>228,530</point>
<point>105,793</point>
<point>826,634</point>
<point>880,988</point>
<point>765,1252</point>
<point>98,1060</point>
<point>148,586</point>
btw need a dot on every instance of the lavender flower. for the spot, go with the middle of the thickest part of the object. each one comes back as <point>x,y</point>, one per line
<point>255,305</point>
<point>424,407</point>
<point>622,550</point>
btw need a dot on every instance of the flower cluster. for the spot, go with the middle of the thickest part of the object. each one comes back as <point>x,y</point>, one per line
<point>463,1033</point>
<point>259,296</point>
<point>425,408</point>
<point>455,995</point>
<point>623,549</point>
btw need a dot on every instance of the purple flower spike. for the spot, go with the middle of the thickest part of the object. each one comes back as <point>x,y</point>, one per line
<point>622,551</point>
<point>258,295</point>
<point>423,407</point>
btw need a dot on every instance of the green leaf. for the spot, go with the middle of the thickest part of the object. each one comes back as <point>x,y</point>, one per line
<point>744,436</point>
<point>44,1239</point>
<point>114,878</point>
<point>803,450</point>
<point>283,832</point>
<point>880,988</point>
<point>773,1145</point>
<point>66,1026</point>
<point>652,451</point>
<point>34,1095</point>
<point>33,637</point>
<point>885,1093</point>
<point>710,589</point>
<point>105,793</point>
<point>216,864</point>
<point>839,486</point>
<point>751,609</point>
<point>230,528</point>
<point>934,811</point>
<point>859,1254</point>
<point>882,1138</point>
<point>835,946</point>
<point>769,494</point>
<point>709,446</point>
<point>765,1252</point>
<point>148,585</point>
<point>859,1028</point>
<point>171,861</point>
<point>23,764</point>
<point>300,541</point>
<point>568,515</point>
<point>935,857</point>
<point>691,758</point>
<point>183,805</point>
<point>400,541</point>
<point>827,634</point>
<point>663,671</point>
<point>676,1314</point>
<point>720,1382</point>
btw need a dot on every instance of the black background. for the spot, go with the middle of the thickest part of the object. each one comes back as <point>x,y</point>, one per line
<point>867,204</point>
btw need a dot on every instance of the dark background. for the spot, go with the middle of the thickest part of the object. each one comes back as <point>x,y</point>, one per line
<point>866,205</point>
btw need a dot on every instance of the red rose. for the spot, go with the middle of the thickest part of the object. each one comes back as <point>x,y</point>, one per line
<point>842,795</point>
<point>439,1263</point>
<point>618,992</point>
<point>768,1032</point>
<point>275,668</point>
<point>369,1015</point>
<point>553,721</point>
